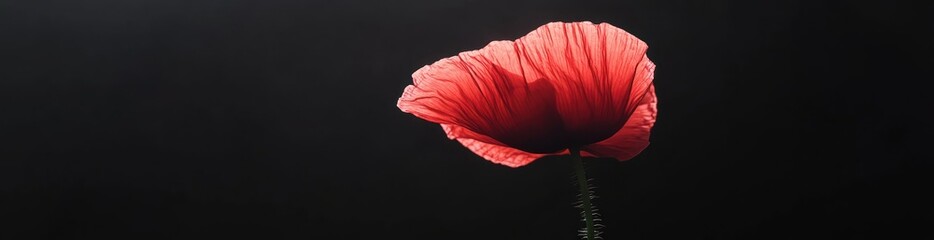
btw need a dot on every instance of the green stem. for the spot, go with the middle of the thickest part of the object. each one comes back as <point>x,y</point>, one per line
<point>585,191</point>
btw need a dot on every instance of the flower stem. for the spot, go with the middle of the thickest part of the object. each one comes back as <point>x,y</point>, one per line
<point>585,191</point>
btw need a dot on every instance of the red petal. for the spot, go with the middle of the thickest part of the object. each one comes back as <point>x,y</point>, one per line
<point>633,137</point>
<point>488,148</point>
<point>594,71</point>
<point>485,91</point>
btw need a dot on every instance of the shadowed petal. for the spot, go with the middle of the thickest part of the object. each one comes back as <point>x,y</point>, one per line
<point>633,137</point>
<point>489,148</point>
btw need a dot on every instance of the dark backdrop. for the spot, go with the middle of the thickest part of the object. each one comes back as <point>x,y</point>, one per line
<point>276,120</point>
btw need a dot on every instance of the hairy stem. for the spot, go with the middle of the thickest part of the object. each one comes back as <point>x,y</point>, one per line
<point>585,191</point>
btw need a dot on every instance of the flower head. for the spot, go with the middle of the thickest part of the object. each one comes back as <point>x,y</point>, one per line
<point>564,85</point>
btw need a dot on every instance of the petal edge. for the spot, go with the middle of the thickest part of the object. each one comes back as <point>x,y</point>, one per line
<point>489,148</point>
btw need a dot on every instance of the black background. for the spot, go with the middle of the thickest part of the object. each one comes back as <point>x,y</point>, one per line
<point>276,120</point>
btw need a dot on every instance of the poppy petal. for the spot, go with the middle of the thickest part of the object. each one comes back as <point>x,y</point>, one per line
<point>594,69</point>
<point>489,148</point>
<point>633,137</point>
<point>459,89</point>
<point>485,91</point>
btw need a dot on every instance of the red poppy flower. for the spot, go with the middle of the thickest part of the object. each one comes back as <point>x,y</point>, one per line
<point>564,85</point>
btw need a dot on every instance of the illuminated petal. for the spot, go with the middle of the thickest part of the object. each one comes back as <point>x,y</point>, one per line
<point>488,148</point>
<point>481,91</point>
